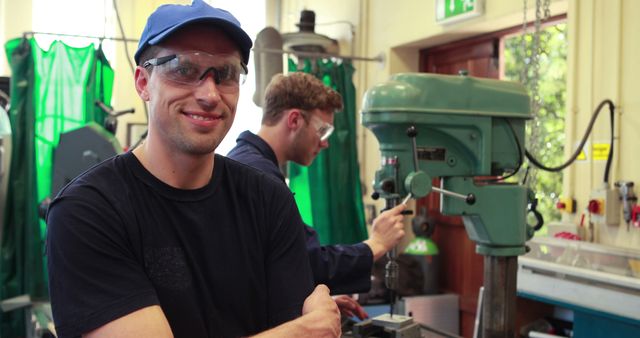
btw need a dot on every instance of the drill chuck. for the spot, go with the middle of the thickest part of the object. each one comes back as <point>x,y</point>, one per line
<point>391,275</point>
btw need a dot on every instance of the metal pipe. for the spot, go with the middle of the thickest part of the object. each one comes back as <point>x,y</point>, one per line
<point>499,307</point>
<point>83,36</point>
<point>318,55</point>
<point>449,193</point>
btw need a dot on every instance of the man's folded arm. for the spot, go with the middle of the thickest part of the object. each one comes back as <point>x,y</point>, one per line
<point>146,322</point>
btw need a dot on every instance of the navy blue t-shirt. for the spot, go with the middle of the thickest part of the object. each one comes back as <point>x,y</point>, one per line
<point>343,268</point>
<point>225,260</point>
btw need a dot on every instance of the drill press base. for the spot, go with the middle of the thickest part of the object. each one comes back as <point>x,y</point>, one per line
<point>386,326</point>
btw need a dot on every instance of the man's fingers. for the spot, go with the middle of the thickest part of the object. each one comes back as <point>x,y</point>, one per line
<point>321,289</point>
<point>347,312</point>
<point>400,207</point>
<point>395,211</point>
<point>361,313</point>
<point>350,307</point>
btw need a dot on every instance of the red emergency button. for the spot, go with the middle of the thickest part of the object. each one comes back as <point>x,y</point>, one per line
<point>635,216</point>
<point>567,205</point>
<point>594,207</point>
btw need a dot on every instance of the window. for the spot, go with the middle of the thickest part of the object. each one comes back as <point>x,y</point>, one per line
<point>547,145</point>
<point>60,16</point>
<point>248,115</point>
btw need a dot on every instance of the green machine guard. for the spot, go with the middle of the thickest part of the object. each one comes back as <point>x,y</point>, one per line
<point>458,128</point>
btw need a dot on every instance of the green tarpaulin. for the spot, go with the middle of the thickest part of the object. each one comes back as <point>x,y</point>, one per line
<point>329,193</point>
<point>52,92</point>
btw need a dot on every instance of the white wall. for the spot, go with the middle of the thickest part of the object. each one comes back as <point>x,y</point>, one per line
<point>3,59</point>
<point>15,19</point>
<point>604,64</point>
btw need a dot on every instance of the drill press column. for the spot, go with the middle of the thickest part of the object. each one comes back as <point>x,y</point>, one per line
<point>464,128</point>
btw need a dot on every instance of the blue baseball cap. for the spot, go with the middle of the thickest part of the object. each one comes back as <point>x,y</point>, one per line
<point>167,19</point>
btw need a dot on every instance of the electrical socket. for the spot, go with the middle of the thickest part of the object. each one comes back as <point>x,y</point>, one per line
<point>604,206</point>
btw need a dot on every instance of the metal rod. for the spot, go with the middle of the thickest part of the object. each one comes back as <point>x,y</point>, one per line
<point>449,193</point>
<point>391,268</point>
<point>318,55</point>
<point>83,36</point>
<point>477,328</point>
<point>415,154</point>
<point>407,198</point>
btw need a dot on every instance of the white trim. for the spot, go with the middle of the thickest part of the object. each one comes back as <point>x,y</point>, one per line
<point>556,286</point>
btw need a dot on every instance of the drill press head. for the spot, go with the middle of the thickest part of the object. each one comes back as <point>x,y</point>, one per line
<point>464,125</point>
<point>455,128</point>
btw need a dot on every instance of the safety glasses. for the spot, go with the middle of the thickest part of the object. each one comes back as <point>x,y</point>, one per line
<point>323,129</point>
<point>190,69</point>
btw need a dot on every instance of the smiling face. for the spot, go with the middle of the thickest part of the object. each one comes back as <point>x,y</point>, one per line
<point>188,119</point>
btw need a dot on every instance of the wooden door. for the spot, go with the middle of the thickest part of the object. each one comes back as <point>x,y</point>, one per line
<point>461,269</point>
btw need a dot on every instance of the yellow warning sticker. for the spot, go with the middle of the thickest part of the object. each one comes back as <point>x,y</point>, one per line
<point>584,152</point>
<point>600,151</point>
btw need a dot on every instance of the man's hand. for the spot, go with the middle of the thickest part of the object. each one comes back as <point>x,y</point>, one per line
<point>320,318</point>
<point>386,232</point>
<point>322,313</point>
<point>349,307</point>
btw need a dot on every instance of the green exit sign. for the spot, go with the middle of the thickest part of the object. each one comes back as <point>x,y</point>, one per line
<point>450,11</point>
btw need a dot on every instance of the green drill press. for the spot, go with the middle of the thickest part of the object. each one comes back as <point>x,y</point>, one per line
<point>462,130</point>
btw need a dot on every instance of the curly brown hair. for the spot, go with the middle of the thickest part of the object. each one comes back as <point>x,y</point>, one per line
<point>298,90</point>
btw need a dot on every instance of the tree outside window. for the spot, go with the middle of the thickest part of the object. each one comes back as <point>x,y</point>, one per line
<point>552,86</point>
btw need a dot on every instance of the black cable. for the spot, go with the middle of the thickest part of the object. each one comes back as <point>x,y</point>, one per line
<point>520,157</point>
<point>526,175</point>
<point>607,168</point>
<point>573,157</point>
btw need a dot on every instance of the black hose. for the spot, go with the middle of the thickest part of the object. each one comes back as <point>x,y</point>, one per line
<point>573,157</point>
<point>520,158</point>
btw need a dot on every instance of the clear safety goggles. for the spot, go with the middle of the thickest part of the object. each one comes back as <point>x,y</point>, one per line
<point>323,129</point>
<point>190,69</point>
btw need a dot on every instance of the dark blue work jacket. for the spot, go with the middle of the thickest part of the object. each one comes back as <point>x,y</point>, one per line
<point>345,269</point>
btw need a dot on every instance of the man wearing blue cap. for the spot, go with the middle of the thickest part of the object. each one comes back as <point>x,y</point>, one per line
<point>171,239</point>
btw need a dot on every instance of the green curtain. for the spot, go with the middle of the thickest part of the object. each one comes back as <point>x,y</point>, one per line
<point>328,192</point>
<point>52,92</point>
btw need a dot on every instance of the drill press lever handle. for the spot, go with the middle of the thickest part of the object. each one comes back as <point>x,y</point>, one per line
<point>469,198</point>
<point>418,183</point>
<point>406,198</point>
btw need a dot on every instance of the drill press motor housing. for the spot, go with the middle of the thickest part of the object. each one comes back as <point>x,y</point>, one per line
<point>463,127</point>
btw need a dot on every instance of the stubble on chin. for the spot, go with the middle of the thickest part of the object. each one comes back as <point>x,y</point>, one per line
<point>198,147</point>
